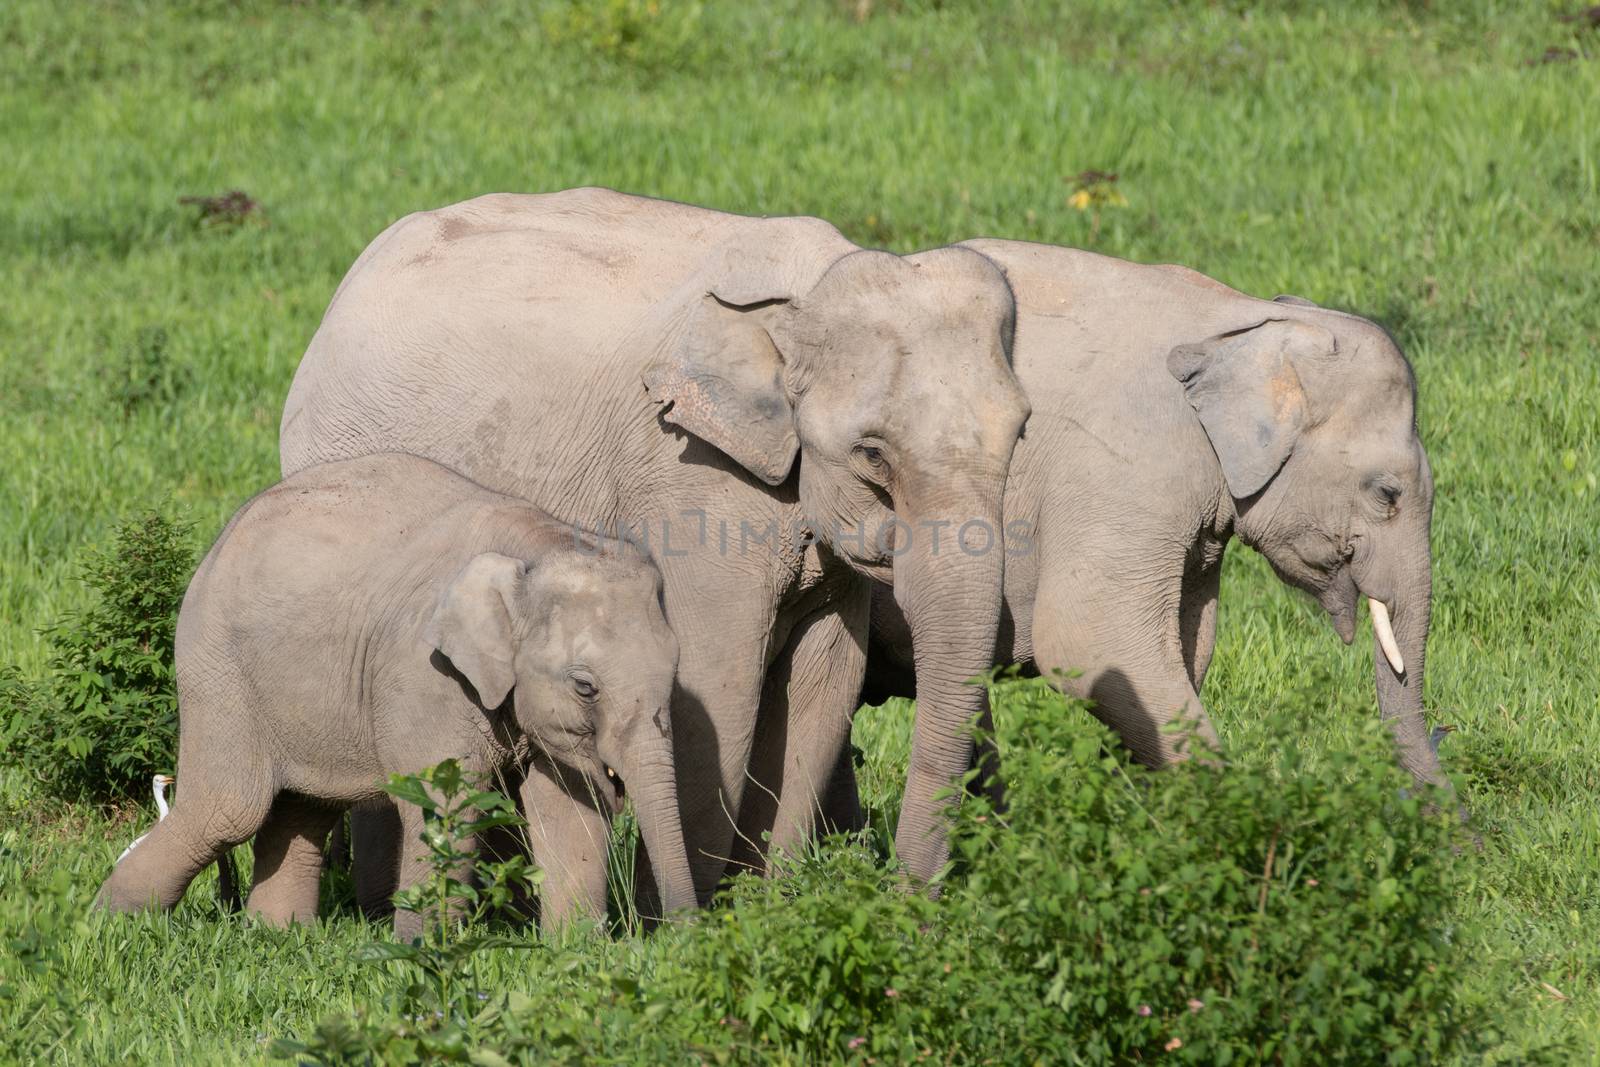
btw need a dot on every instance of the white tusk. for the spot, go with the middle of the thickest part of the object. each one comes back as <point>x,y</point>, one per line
<point>1385,632</point>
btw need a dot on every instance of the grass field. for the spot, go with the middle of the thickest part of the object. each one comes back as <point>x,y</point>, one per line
<point>1415,162</point>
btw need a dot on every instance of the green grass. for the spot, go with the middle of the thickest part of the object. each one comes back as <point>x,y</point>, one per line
<point>1404,161</point>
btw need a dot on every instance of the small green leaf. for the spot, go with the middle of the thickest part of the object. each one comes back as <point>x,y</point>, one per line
<point>383,951</point>
<point>409,788</point>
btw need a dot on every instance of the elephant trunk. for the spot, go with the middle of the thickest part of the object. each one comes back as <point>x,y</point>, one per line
<point>1399,655</point>
<point>652,781</point>
<point>949,587</point>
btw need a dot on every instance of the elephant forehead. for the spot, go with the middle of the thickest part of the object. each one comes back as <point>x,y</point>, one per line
<point>907,392</point>
<point>970,385</point>
<point>923,315</point>
<point>899,355</point>
<point>863,274</point>
<point>948,284</point>
<point>584,634</point>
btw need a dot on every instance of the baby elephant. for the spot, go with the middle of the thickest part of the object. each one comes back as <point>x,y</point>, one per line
<point>376,616</point>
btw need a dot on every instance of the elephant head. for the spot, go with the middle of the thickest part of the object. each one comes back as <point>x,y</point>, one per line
<point>580,642</point>
<point>889,379</point>
<point>1312,416</point>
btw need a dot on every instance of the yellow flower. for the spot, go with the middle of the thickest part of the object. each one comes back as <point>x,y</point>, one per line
<point>1079,200</point>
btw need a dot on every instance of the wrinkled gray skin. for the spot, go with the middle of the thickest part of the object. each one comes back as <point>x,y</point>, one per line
<point>374,617</point>
<point>1171,414</point>
<point>627,363</point>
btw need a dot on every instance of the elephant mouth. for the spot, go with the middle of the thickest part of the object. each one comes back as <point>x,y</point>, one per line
<point>869,545</point>
<point>612,788</point>
<point>1338,598</point>
<point>867,556</point>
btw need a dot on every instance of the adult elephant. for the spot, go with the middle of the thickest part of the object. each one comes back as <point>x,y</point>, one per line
<point>1171,414</point>
<point>765,406</point>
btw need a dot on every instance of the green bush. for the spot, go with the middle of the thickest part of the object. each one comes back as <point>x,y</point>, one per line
<point>1285,913</point>
<point>1212,913</point>
<point>104,716</point>
<point>442,996</point>
<point>829,961</point>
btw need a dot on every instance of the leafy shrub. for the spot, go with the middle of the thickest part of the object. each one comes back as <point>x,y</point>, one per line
<point>1215,914</point>
<point>442,995</point>
<point>828,961</point>
<point>454,809</point>
<point>1211,913</point>
<point>104,717</point>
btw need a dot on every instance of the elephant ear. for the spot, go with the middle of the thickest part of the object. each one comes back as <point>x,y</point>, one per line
<point>721,374</point>
<point>1244,387</point>
<point>1294,301</point>
<point>471,624</point>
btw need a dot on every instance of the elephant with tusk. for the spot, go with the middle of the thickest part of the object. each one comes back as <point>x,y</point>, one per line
<point>1171,415</point>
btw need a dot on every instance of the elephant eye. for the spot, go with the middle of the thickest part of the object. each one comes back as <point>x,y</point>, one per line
<point>1387,496</point>
<point>872,455</point>
<point>584,685</point>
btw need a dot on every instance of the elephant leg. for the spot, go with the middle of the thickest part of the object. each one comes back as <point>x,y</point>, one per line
<point>807,706</point>
<point>288,869</point>
<point>213,812</point>
<point>1197,620</point>
<point>723,638</point>
<point>375,856</point>
<point>569,835</point>
<point>1123,634</point>
<point>168,858</point>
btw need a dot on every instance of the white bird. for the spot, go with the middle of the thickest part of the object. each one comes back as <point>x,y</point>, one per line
<point>158,786</point>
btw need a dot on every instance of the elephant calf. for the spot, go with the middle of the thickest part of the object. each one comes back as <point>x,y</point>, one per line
<point>379,615</point>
